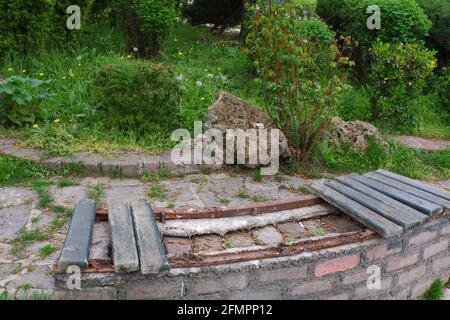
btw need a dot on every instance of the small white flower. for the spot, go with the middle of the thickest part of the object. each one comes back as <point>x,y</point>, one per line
<point>223,78</point>
<point>210,76</point>
<point>79,58</point>
<point>199,83</point>
<point>180,77</point>
<point>135,49</point>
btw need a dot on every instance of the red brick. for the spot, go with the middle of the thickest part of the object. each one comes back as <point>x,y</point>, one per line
<point>422,238</point>
<point>336,265</point>
<point>435,249</point>
<point>445,230</point>
<point>443,263</point>
<point>269,276</point>
<point>381,252</point>
<point>355,278</point>
<point>311,287</point>
<point>402,262</point>
<point>364,291</point>
<point>412,275</point>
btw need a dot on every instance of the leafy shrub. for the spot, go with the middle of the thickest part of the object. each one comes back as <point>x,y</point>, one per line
<point>135,96</point>
<point>438,11</point>
<point>20,98</point>
<point>401,20</point>
<point>436,291</point>
<point>397,75</point>
<point>298,73</point>
<point>443,89</point>
<point>220,13</point>
<point>146,22</point>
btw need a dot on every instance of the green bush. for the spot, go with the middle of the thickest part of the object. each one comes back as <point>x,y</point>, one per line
<point>20,98</point>
<point>397,76</point>
<point>438,11</point>
<point>146,22</point>
<point>443,89</point>
<point>401,20</point>
<point>135,96</point>
<point>298,71</point>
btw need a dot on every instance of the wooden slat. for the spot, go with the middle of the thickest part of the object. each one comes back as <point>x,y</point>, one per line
<point>152,255</point>
<point>358,212</point>
<point>235,211</point>
<point>79,235</point>
<point>386,211</point>
<point>417,184</point>
<point>397,205</point>
<point>411,190</point>
<point>424,206</point>
<point>123,240</point>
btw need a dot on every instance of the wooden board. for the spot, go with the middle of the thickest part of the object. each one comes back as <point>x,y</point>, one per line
<point>417,184</point>
<point>123,241</point>
<point>78,240</point>
<point>152,255</point>
<point>407,188</point>
<point>423,206</point>
<point>397,205</point>
<point>398,217</point>
<point>357,211</point>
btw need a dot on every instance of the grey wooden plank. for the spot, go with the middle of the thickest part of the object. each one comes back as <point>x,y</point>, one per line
<point>397,205</point>
<point>123,241</point>
<point>78,240</point>
<point>417,184</point>
<point>411,190</point>
<point>398,217</point>
<point>152,255</point>
<point>358,212</point>
<point>424,206</point>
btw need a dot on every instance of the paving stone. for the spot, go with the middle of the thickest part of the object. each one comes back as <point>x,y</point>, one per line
<point>268,190</point>
<point>6,269</point>
<point>40,278</point>
<point>267,236</point>
<point>240,240</point>
<point>423,143</point>
<point>178,246</point>
<point>292,182</point>
<point>292,229</point>
<point>129,194</point>
<point>16,196</point>
<point>209,200</point>
<point>67,196</point>
<point>208,243</point>
<point>12,219</point>
<point>226,187</point>
<point>4,252</point>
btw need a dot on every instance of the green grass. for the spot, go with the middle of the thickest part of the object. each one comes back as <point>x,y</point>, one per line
<point>156,191</point>
<point>42,189</point>
<point>257,176</point>
<point>161,174</point>
<point>23,294</point>
<point>303,190</point>
<point>224,201</point>
<point>66,182</point>
<point>435,291</point>
<point>15,171</point>
<point>46,250</point>
<point>95,192</point>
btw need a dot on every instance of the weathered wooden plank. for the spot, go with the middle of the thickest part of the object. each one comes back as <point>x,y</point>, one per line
<point>417,184</point>
<point>123,241</point>
<point>78,240</point>
<point>358,212</point>
<point>379,207</point>
<point>152,255</point>
<point>411,190</point>
<point>424,206</point>
<point>397,205</point>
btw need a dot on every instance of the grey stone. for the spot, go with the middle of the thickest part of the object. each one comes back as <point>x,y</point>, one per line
<point>40,278</point>
<point>129,194</point>
<point>67,196</point>
<point>292,229</point>
<point>268,236</point>
<point>12,219</point>
<point>239,240</point>
<point>15,196</point>
<point>6,269</point>
<point>423,143</point>
<point>268,190</point>
<point>177,246</point>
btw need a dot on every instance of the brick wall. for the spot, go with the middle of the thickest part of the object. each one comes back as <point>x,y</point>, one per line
<point>408,265</point>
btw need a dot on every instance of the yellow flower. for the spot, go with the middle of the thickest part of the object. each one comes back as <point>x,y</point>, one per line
<point>129,56</point>
<point>79,65</point>
<point>180,53</point>
<point>64,77</point>
<point>202,99</point>
<point>57,121</point>
<point>41,74</point>
<point>10,69</point>
<point>219,68</point>
<point>24,71</point>
<point>72,75</point>
<point>35,126</point>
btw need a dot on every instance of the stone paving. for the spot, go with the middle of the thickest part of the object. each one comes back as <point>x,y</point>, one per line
<point>423,143</point>
<point>28,270</point>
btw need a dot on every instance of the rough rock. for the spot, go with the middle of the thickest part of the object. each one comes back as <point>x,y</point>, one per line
<point>230,112</point>
<point>357,133</point>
